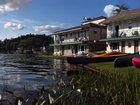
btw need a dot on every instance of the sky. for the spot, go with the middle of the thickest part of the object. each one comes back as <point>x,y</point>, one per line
<point>20,17</point>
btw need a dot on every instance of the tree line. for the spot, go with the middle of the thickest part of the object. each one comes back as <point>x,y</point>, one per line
<point>27,43</point>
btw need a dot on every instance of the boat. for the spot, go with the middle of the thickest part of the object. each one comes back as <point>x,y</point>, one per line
<point>79,60</point>
<point>125,61</point>
<point>136,62</point>
<point>113,53</point>
<point>107,57</point>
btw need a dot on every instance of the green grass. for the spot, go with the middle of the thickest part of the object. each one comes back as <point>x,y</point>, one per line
<point>109,67</point>
<point>112,86</point>
<point>88,88</point>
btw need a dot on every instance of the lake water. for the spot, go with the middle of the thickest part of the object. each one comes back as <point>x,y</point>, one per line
<point>18,72</point>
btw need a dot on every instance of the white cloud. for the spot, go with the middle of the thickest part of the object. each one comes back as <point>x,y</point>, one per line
<point>12,5</point>
<point>109,9</point>
<point>14,25</point>
<point>47,29</point>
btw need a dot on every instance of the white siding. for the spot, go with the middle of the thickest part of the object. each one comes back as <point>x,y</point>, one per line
<point>124,27</point>
<point>129,49</point>
<point>108,47</point>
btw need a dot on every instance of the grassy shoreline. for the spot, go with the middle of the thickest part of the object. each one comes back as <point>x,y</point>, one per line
<point>119,86</point>
<point>99,67</point>
<point>88,88</point>
<point>109,67</point>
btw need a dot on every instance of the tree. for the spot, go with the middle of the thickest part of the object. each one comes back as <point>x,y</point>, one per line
<point>120,8</point>
<point>27,42</point>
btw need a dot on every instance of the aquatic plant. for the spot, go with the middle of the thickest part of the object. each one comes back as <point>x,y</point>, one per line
<point>88,88</point>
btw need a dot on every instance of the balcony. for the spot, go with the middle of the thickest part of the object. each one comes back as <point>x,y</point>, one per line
<point>68,43</point>
<point>123,36</point>
<point>135,33</point>
<point>68,40</point>
<point>114,35</point>
<point>72,41</point>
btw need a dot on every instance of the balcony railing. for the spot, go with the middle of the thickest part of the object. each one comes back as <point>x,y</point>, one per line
<point>123,35</point>
<point>114,35</point>
<point>135,33</point>
<point>81,39</point>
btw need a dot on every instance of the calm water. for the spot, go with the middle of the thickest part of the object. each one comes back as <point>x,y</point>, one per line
<point>22,75</point>
<point>26,71</point>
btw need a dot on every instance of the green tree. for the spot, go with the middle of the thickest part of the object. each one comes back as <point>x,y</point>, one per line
<point>120,8</point>
<point>27,42</point>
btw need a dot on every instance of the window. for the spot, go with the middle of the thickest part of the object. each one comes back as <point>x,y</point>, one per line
<point>70,34</point>
<point>82,48</point>
<point>115,46</point>
<point>84,33</point>
<point>129,44</point>
<point>78,34</point>
<point>60,37</point>
<point>81,34</point>
<point>117,30</point>
<point>129,26</point>
<point>66,35</point>
<point>95,32</point>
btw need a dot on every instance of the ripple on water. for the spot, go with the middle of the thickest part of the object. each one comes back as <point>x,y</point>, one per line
<point>23,74</point>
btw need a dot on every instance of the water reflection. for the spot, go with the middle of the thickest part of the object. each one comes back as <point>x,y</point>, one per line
<point>27,71</point>
<point>21,75</point>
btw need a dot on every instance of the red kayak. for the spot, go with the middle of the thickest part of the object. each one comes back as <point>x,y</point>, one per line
<point>136,62</point>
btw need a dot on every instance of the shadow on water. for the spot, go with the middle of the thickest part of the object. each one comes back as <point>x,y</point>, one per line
<point>26,73</point>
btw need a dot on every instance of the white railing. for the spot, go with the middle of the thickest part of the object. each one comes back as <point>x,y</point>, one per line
<point>72,40</point>
<point>68,40</point>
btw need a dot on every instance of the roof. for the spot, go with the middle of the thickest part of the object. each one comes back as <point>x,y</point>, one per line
<point>97,18</point>
<point>92,25</point>
<point>68,29</point>
<point>80,27</point>
<point>123,16</point>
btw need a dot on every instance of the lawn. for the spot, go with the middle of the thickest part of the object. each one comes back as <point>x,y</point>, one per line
<point>109,67</point>
<point>87,88</point>
<point>119,86</point>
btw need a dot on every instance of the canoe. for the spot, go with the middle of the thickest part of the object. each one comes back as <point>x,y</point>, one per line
<point>125,61</point>
<point>113,53</point>
<point>79,60</point>
<point>136,62</point>
<point>87,60</point>
<point>110,58</point>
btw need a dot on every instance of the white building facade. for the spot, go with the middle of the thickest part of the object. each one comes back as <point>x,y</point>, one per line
<point>123,32</point>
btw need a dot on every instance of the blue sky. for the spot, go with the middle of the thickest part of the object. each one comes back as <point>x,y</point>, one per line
<point>19,17</point>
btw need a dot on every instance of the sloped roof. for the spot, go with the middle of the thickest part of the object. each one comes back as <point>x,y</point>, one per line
<point>68,29</point>
<point>97,18</point>
<point>123,16</point>
<point>80,27</point>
